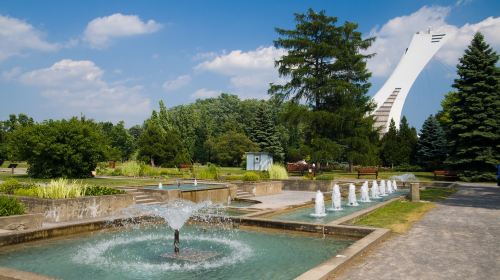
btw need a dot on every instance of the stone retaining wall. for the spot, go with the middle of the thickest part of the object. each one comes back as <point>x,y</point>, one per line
<point>262,188</point>
<point>62,210</point>
<point>21,222</point>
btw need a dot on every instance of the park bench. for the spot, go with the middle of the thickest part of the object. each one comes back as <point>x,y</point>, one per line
<point>297,168</point>
<point>446,174</point>
<point>185,166</point>
<point>368,171</point>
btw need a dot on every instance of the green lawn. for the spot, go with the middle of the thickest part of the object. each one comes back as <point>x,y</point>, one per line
<point>399,215</point>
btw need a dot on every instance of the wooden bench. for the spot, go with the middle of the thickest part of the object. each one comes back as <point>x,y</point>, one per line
<point>368,171</point>
<point>446,174</point>
<point>297,168</point>
<point>185,166</point>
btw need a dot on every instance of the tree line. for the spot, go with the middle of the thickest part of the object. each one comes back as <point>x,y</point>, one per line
<point>321,113</point>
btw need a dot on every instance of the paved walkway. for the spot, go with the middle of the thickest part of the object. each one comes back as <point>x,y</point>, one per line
<point>459,239</point>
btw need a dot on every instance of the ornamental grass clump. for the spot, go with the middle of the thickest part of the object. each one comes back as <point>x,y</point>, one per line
<point>131,169</point>
<point>61,188</point>
<point>277,172</point>
<point>10,206</point>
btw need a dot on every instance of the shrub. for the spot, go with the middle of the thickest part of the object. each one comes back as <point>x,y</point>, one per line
<point>325,177</point>
<point>210,172</point>
<point>61,188</point>
<point>277,171</point>
<point>147,170</point>
<point>251,176</point>
<point>131,169</point>
<point>10,206</point>
<point>62,148</point>
<point>26,191</point>
<point>9,186</point>
<point>101,190</point>
<point>234,177</point>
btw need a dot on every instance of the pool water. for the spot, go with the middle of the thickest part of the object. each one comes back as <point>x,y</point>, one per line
<point>302,214</point>
<point>137,254</point>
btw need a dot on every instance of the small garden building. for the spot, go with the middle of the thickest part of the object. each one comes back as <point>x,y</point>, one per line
<point>260,161</point>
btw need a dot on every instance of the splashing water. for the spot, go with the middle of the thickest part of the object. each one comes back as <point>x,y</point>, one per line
<point>319,205</point>
<point>336,199</point>
<point>352,196</point>
<point>382,188</point>
<point>175,213</point>
<point>160,186</point>
<point>394,185</point>
<point>407,177</point>
<point>365,197</point>
<point>375,191</point>
<point>389,187</point>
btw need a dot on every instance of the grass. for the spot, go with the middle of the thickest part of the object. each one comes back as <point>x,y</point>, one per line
<point>397,216</point>
<point>435,194</point>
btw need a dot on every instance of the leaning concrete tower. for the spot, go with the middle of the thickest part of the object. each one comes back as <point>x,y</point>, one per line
<point>391,97</point>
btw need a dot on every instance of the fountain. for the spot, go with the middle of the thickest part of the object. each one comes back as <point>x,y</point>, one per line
<point>176,214</point>
<point>389,187</point>
<point>336,199</point>
<point>160,186</point>
<point>375,191</point>
<point>319,205</point>
<point>382,188</point>
<point>365,197</point>
<point>394,186</point>
<point>407,177</point>
<point>352,196</point>
<point>195,183</point>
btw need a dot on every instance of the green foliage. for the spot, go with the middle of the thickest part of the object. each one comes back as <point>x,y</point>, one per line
<point>26,191</point>
<point>326,177</point>
<point>265,134</point>
<point>158,146</point>
<point>325,67</point>
<point>131,169</point>
<point>228,149</point>
<point>389,152</point>
<point>233,177</point>
<point>251,176</point>
<point>66,148</point>
<point>398,146</point>
<point>101,190</point>
<point>10,206</point>
<point>209,172</point>
<point>277,172</point>
<point>9,186</point>
<point>61,188</point>
<point>474,112</point>
<point>122,144</point>
<point>431,146</point>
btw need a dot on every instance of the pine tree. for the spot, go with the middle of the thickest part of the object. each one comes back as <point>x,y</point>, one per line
<point>431,146</point>
<point>390,146</point>
<point>407,138</point>
<point>265,134</point>
<point>474,130</point>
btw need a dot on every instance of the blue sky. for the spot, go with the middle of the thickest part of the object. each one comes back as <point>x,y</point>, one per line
<point>114,60</point>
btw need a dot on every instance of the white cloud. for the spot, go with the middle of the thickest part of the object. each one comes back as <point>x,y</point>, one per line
<point>395,35</point>
<point>177,83</point>
<point>100,31</point>
<point>17,37</point>
<point>77,86</point>
<point>204,93</point>
<point>249,72</point>
<point>11,74</point>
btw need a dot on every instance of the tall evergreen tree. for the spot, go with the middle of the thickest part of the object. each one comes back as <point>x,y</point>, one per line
<point>265,134</point>
<point>407,142</point>
<point>431,146</point>
<point>390,146</point>
<point>326,68</point>
<point>474,130</point>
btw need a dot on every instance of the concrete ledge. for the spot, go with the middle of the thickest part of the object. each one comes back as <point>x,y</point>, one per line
<point>21,222</point>
<point>261,188</point>
<point>12,274</point>
<point>336,263</point>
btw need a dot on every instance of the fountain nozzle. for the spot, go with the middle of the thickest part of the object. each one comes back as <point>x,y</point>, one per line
<point>176,242</point>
